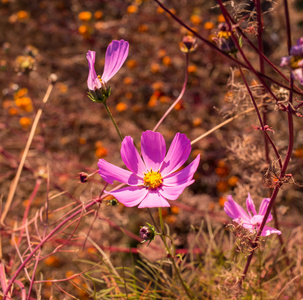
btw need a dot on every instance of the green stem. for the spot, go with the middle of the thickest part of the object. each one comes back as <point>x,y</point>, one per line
<point>171,256</point>
<point>115,124</point>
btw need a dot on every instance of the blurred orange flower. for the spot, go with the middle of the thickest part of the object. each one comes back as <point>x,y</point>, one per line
<point>25,122</point>
<point>131,63</point>
<point>166,60</point>
<point>192,69</point>
<point>121,106</point>
<point>98,14</point>
<point>155,68</point>
<point>221,19</point>
<point>196,19</point>
<point>209,25</point>
<point>22,15</point>
<point>132,9</point>
<point>85,16</point>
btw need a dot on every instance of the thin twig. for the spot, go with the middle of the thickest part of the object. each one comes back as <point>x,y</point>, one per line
<point>15,181</point>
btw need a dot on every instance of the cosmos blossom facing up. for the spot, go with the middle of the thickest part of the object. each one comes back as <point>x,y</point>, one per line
<point>156,176</point>
<point>251,220</point>
<point>115,56</point>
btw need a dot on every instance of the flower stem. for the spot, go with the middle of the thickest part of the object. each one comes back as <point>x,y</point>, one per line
<point>171,256</point>
<point>112,118</point>
<point>179,97</point>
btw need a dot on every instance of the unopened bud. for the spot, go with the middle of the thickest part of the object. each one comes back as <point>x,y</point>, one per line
<point>83,177</point>
<point>147,233</point>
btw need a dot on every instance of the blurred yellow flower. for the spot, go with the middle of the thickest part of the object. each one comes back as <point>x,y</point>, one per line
<point>25,63</point>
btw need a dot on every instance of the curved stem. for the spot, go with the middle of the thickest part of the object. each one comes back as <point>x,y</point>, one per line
<point>112,118</point>
<point>179,97</point>
<point>171,256</point>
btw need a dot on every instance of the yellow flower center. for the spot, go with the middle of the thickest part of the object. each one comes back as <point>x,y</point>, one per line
<point>100,79</point>
<point>152,179</point>
<point>294,62</point>
<point>224,34</point>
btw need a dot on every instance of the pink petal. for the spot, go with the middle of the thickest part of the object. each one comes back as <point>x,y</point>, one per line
<point>173,192</point>
<point>153,199</point>
<point>250,206</point>
<point>177,154</point>
<point>116,54</point>
<point>153,149</point>
<point>93,82</point>
<point>269,230</point>
<point>263,208</point>
<point>131,157</point>
<point>130,196</point>
<point>110,172</point>
<point>182,176</point>
<point>235,211</point>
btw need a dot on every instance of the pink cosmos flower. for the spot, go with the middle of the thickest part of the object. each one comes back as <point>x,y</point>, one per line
<point>250,220</point>
<point>295,61</point>
<point>115,56</point>
<point>154,178</point>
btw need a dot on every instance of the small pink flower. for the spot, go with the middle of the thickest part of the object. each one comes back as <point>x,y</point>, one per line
<point>250,220</point>
<point>115,56</point>
<point>154,178</point>
<point>295,61</point>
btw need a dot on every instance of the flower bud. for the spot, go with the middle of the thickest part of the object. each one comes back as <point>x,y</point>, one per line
<point>147,233</point>
<point>83,177</point>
